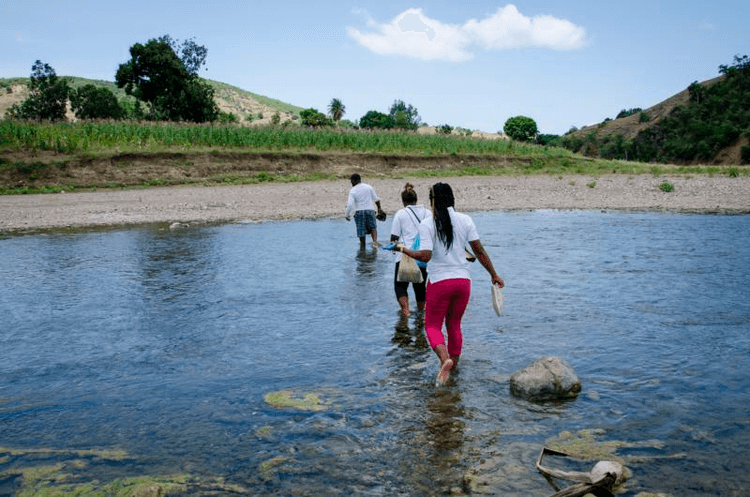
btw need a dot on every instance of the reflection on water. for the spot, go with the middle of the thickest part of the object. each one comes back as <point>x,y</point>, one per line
<point>164,344</point>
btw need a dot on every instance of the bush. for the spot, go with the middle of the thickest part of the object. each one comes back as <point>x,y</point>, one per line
<point>444,129</point>
<point>745,155</point>
<point>547,139</point>
<point>312,117</point>
<point>628,112</point>
<point>90,102</point>
<point>666,186</point>
<point>375,120</point>
<point>227,117</point>
<point>520,128</point>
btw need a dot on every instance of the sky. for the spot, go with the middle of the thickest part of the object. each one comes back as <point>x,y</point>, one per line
<point>470,64</point>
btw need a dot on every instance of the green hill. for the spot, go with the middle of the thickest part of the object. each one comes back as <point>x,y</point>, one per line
<point>248,107</point>
<point>707,123</point>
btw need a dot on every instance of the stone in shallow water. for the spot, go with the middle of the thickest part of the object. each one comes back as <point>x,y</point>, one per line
<point>548,378</point>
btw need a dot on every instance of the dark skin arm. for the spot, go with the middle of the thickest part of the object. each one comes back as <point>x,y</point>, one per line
<point>485,260</point>
<point>476,246</point>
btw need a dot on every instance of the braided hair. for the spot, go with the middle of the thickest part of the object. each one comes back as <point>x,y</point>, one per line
<point>441,196</point>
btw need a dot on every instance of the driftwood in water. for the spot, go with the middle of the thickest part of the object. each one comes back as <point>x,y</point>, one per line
<point>599,481</point>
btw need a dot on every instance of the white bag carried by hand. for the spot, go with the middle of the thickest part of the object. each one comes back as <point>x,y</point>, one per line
<point>497,299</point>
<point>408,271</point>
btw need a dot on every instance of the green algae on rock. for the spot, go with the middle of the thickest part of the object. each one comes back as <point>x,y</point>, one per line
<point>290,399</point>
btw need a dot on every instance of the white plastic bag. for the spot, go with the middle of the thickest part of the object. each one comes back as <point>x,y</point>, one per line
<point>497,299</point>
<point>408,271</point>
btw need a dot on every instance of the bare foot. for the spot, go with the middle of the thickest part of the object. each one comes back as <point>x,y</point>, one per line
<point>445,372</point>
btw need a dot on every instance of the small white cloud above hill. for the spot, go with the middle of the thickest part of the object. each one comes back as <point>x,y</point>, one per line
<point>411,33</point>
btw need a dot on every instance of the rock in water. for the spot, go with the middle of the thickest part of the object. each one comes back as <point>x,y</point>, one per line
<point>548,378</point>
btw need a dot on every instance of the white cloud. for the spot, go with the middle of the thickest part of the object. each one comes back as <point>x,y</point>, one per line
<point>413,34</point>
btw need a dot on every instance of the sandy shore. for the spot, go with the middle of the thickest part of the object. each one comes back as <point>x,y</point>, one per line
<point>249,203</point>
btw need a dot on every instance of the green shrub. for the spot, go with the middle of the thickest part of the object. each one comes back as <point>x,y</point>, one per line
<point>745,155</point>
<point>666,186</point>
<point>628,112</point>
<point>227,117</point>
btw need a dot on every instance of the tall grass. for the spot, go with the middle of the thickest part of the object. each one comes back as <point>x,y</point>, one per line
<point>89,136</point>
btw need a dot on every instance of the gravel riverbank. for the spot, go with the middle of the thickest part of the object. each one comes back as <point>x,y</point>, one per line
<point>261,202</point>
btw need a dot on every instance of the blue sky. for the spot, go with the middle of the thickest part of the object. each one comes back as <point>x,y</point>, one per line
<point>473,63</point>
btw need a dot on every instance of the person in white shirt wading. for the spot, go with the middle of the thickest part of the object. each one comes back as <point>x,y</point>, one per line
<point>443,239</point>
<point>405,228</point>
<point>362,202</point>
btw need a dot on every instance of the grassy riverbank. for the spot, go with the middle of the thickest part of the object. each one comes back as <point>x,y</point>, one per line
<point>53,157</point>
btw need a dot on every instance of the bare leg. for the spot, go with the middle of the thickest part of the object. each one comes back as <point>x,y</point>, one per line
<point>403,301</point>
<point>362,242</point>
<point>446,364</point>
<point>374,235</point>
<point>455,361</point>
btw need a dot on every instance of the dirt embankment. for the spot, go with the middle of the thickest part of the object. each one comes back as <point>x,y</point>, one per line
<point>174,168</point>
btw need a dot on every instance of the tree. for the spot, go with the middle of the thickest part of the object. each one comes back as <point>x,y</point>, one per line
<point>192,55</point>
<point>90,102</point>
<point>336,109</point>
<point>404,116</point>
<point>375,120</point>
<point>48,95</point>
<point>156,76</point>
<point>312,117</point>
<point>444,129</point>
<point>520,128</point>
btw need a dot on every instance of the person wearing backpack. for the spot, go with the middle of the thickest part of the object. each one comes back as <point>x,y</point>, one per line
<point>405,229</point>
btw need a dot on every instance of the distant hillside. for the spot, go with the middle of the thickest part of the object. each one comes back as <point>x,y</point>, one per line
<point>679,130</point>
<point>631,125</point>
<point>250,109</point>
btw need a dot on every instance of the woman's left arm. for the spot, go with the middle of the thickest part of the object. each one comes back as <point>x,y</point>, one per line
<point>422,255</point>
<point>485,260</point>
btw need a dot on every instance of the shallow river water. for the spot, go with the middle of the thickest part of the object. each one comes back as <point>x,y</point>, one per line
<point>166,345</point>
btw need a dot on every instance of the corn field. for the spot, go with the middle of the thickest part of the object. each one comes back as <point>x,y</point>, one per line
<point>95,136</point>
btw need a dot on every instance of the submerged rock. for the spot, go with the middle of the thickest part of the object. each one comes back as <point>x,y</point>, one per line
<point>290,399</point>
<point>548,378</point>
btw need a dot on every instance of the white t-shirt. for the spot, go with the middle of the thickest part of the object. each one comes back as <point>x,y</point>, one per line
<point>406,225</point>
<point>448,264</point>
<point>362,197</point>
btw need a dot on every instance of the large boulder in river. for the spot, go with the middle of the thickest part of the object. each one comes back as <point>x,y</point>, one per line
<point>549,378</point>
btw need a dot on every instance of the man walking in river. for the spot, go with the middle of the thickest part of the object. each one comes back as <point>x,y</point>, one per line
<point>362,202</point>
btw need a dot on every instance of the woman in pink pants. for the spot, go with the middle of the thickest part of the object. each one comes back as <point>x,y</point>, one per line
<point>443,239</point>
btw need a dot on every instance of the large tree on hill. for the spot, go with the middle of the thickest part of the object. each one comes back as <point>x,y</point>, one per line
<point>192,55</point>
<point>48,95</point>
<point>156,76</point>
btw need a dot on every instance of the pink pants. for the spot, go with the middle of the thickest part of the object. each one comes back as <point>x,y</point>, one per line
<point>446,302</point>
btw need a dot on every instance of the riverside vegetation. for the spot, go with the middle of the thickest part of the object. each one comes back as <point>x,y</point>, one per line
<point>46,157</point>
